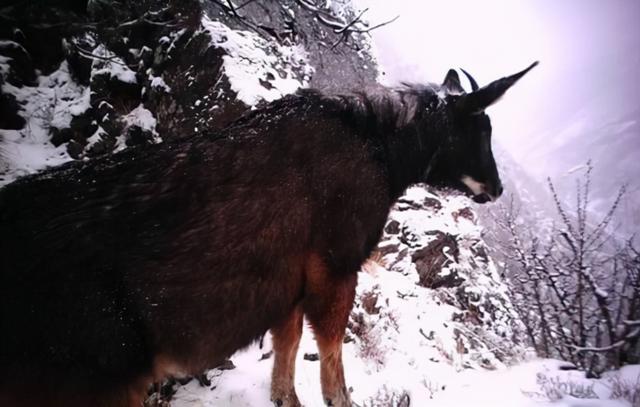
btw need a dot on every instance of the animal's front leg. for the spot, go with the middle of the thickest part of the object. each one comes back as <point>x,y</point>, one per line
<point>286,338</point>
<point>327,305</point>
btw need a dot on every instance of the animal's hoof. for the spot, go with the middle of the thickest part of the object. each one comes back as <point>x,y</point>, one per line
<point>342,399</point>
<point>287,401</point>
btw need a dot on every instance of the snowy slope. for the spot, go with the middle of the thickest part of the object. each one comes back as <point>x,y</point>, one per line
<point>52,102</point>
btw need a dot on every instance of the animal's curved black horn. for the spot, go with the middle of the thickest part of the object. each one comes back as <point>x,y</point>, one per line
<point>474,84</point>
<point>484,97</point>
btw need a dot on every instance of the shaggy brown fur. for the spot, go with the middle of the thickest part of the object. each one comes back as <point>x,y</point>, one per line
<point>165,260</point>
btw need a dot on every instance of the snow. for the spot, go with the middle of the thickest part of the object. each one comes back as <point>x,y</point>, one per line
<point>4,66</point>
<point>524,385</point>
<point>140,117</point>
<point>95,138</point>
<point>106,62</point>
<point>577,168</point>
<point>71,98</point>
<point>157,82</point>
<point>143,118</point>
<point>258,69</point>
<point>53,102</point>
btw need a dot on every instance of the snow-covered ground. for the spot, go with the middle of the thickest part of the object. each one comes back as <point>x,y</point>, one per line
<point>409,371</point>
<point>529,384</point>
<point>447,346</point>
<point>52,102</point>
<point>251,62</point>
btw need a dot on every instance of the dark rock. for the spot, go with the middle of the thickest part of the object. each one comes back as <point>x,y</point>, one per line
<point>136,136</point>
<point>60,136</point>
<point>123,91</point>
<point>79,65</point>
<point>75,149</point>
<point>9,108</point>
<point>405,400</point>
<point>312,357</point>
<point>480,252</point>
<point>467,299</point>
<point>369,300</point>
<point>567,367</point>
<point>266,84</point>
<point>401,255</point>
<point>226,365</point>
<point>409,238</point>
<point>80,128</point>
<point>387,249</point>
<point>266,356</point>
<point>468,318</point>
<point>392,228</point>
<point>356,324</point>
<point>105,145</point>
<point>203,380</point>
<point>430,260</point>
<point>405,204</point>
<point>432,203</point>
<point>22,71</point>
<point>465,213</point>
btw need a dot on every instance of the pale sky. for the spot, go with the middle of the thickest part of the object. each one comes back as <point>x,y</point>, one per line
<point>582,102</point>
<point>589,53</point>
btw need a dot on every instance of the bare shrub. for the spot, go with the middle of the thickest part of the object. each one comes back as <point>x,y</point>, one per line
<point>554,388</point>
<point>432,387</point>
<point>386,397</point>
<point>575,287</point>
<point>627,390</point>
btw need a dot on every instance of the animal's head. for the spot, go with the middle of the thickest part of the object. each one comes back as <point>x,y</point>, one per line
<point>464,159</point>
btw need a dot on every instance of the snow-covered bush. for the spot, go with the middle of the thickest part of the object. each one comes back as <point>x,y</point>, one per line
<point>626,389</point>
<point>576,289</point>
<point>554,388</point>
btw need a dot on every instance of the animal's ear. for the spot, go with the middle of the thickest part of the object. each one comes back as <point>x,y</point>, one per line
<point>477,101</point>
<point>452,82</point>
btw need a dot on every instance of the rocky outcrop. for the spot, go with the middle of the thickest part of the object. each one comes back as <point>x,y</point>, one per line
<point>79,80</point>
<point>444,280</point>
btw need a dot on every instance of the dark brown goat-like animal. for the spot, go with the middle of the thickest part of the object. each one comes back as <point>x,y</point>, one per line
<point>163,261</point>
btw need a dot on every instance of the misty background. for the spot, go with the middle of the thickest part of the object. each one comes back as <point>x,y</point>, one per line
<point>580,103</point>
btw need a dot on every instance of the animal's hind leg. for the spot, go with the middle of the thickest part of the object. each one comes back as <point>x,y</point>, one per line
<point>327,305</point>
<point>286,338</point>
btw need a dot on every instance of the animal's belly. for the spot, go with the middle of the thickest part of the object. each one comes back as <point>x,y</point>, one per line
<point>198,323</point>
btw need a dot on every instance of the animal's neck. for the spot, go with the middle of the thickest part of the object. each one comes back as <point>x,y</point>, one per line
<point>409,156</point>
<point>410,129</point>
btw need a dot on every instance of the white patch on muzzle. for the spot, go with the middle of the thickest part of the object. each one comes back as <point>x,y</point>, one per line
<point>476,187</point>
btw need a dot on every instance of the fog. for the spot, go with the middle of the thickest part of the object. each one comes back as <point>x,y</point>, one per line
<point>581,102</point>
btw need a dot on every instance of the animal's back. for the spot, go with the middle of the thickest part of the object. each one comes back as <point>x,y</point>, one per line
<point>188,250</point>
<point>68,239</point>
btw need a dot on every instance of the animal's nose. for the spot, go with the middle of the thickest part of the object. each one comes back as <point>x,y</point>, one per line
<point>499,189</point>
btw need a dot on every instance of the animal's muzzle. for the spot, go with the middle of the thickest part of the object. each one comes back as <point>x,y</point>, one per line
<point>482,192</point>
<point>490,194</point>
<point>481,198</point>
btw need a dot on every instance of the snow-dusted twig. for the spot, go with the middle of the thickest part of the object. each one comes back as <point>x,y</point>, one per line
<point>90,55</point>
<point>343,28</point>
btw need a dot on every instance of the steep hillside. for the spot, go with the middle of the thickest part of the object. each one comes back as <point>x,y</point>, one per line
<point>77,82</point>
